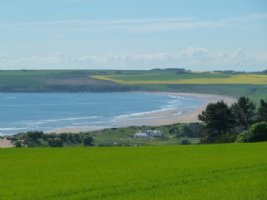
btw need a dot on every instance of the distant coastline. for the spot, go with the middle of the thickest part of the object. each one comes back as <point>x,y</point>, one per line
<point>186,115</point>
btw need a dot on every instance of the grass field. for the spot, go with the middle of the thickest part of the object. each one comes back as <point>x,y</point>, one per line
<point>227,171</point>
<point>124,136</point>
<point>19,77</point>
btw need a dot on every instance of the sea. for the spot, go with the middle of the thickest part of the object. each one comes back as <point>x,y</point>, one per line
<point>22,112</point>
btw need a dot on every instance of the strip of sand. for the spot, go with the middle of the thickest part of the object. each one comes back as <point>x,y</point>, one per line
<point>4,143</point>
<point>183,115</point>
<point>75,129</point>
<point>187,116</point>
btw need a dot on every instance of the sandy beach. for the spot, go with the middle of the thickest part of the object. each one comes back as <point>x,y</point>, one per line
<point>188,115</point>
<point>4,143</point>
<point>183,115</point>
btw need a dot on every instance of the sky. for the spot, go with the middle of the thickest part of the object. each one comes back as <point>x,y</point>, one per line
<point>199,35</point>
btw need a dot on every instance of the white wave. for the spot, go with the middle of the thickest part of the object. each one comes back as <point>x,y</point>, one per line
<point>13,128</point>
<point>141,113</point>
<point>62,119</point>
<point>176,97</point>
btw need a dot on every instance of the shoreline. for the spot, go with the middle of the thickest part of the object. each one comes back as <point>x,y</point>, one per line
<point>166,117</point>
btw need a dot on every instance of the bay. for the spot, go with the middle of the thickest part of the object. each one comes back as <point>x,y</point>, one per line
<point>22,112</point>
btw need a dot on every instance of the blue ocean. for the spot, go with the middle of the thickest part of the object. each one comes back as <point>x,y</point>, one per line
<point>22,112</point>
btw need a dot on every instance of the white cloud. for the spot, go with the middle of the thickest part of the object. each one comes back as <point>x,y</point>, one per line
<point>129,25</point>
<point>191,58</point>
<point>252,17</point>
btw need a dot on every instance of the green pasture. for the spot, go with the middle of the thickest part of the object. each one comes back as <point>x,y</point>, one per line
<point>21,78</point>
<point>226,171</point>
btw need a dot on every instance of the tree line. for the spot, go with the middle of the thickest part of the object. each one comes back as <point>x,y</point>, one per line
<point>241,121</point>
<point>40,139</point>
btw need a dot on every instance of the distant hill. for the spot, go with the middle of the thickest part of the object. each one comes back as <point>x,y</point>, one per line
<point>221,82</point>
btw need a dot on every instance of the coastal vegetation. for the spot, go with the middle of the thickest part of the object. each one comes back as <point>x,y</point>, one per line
<point>225,171</point>
<point>221,121</point>
<point>39,139</point>
<point>174,134</point>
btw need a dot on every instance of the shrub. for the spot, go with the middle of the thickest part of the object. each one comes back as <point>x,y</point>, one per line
<point>258,132</point>
<point>50,142</point>
<point>77,138</point>
<point>71,138</point>
<point>185,142</point>
<point>17,144</point>
<point>55,142</point>
<point>242,137</point>
<point>226,138</point>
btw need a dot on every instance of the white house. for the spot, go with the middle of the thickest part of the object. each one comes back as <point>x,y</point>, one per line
<point>148,134</point>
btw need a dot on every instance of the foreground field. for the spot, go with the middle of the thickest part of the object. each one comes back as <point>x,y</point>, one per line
<point>229,171</point>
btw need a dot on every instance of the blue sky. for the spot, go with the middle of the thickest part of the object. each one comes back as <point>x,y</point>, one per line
<point>133,34</point>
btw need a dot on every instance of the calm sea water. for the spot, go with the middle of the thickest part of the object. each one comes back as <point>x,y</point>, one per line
<point>21,112</point>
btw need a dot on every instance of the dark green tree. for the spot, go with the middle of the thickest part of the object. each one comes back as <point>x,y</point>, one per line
<point>187,131</point>
<point>196,129</point>
<point>262,111</point>
<point>58,142</point>
<point>35,134</point>
<point>87,140</point>
<point>173,130</point>
<point>63,136</point>
<point>244,111</point>
<point>218,119</point>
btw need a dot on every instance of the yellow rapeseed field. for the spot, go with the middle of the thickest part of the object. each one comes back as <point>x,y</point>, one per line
<point>234,79</point>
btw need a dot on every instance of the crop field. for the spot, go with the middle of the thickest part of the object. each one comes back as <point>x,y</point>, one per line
<point>227,171</point>
<point>210,78</point>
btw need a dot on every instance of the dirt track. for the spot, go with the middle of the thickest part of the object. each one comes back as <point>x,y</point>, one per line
<point>75,81</point>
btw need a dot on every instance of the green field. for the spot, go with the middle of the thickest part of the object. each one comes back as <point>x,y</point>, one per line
<point>226,171</point>
<point>19,77</point>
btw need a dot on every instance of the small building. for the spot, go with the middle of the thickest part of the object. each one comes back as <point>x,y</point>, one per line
<point>140,135</point>
<point>148,133</point>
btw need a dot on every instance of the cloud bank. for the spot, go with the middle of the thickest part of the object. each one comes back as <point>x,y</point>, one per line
<point>192,58</point>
